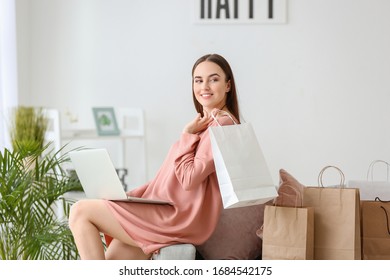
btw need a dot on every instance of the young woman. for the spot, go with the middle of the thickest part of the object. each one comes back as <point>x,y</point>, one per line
<point>187,178</point>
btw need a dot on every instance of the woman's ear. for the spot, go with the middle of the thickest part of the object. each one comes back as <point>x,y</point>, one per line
<point>228,86</point>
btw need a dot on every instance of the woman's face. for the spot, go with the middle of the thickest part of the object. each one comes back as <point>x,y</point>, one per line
<point>210,85</point>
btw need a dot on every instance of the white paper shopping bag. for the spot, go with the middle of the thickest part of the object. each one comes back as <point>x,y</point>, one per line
<point>243,175</point>
<point>372,187</point>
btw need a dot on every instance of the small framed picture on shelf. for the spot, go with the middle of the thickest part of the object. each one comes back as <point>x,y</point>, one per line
<point>105,121</point>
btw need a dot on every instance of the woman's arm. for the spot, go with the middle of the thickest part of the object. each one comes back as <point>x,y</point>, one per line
<point>195,162</point>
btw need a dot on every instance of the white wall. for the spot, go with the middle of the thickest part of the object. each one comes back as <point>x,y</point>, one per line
<point>316,89</point>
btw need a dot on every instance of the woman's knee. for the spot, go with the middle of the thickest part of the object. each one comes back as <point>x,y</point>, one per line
<point>78,211</point>
<point>86,210</point>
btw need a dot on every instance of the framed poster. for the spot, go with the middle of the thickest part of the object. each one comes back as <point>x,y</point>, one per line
<point>105,121</point>
<point>240,11</point>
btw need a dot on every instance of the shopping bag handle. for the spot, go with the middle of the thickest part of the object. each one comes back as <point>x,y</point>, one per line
<point>299,196</point>
<point>371,169</point>
<point>224,113</point>
<point>387,215</point>
<point>387,219</point>
<point>380,200</point>
<point>342,177</point>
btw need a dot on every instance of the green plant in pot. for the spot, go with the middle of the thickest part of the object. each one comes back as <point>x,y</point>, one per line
<point>33,184</point>
<point>28,128</point>
<point>33,208</point>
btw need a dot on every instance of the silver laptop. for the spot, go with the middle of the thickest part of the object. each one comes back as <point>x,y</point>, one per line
<point>99,178</point>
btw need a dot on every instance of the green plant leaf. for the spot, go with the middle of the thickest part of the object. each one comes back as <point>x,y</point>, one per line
<point>32,189</point>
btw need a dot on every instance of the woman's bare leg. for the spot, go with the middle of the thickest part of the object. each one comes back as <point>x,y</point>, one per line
<point>118,250</point>
<point>87,219</point>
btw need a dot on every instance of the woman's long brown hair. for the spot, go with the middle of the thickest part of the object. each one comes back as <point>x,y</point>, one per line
<point>231,98</point>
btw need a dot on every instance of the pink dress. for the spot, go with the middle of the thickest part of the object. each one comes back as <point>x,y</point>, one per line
<point>187,177</point>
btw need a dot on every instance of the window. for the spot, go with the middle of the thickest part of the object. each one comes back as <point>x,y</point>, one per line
<point>8,68</point>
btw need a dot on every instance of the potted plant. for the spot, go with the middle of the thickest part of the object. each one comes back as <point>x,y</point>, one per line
<point>28,128</point>
<point>30,200</point>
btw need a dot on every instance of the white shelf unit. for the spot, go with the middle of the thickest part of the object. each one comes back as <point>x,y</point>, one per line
<point>131,143</point>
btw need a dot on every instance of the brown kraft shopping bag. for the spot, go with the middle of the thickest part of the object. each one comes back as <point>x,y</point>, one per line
<point>288,233</point>
<point>375,229</point>
<point>336,220</point>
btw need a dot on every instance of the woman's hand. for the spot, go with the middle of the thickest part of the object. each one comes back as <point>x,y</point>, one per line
<point>198,124</point>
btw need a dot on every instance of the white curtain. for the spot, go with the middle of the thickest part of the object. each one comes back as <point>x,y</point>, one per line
<point>8,67</point>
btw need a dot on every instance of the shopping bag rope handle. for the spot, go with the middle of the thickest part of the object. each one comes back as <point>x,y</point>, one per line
<point>371,169</point>
<point>384,210</point>
<point>387,219</point>
<point>224,113</point>
<point>380,200</point>
<point>342,179</point>
<point>299,196</point>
